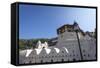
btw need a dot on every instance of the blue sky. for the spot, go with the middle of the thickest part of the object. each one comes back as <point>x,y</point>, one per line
<point>42,21</point>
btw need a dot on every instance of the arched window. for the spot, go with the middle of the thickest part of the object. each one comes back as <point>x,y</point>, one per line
<point>74,55</point>
<point>51,60</point>
<point>52,56</point>
<point>29,61</point>
<point>74,59</point>
<point>62,60</point>
<point>41,61</point>
<point>62,51</point>
<point>43,47</point>
<point>88,55</point>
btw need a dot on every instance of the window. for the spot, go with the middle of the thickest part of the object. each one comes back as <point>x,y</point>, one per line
<point>29,61</point>
<point>41,61</point>
<point>43,47</point>
<point>52,56</point>
<point>74,55</point>
<point>62,60</point>
<point>42,56</point>
<point>88,55</point>
<point>45,56</point>
<point>51,60</point>
<point>62,51</point>
<point>74,59</point>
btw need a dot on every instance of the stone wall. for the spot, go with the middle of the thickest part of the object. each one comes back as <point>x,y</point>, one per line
<point>66,40</point>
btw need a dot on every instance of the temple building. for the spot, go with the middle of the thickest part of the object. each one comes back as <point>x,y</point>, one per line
<point>72,44</point>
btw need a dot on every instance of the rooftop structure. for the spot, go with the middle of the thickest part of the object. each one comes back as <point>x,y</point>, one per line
<point>67,27</point>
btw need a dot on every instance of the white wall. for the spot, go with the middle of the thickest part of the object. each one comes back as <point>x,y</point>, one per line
<point>5,33</point>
